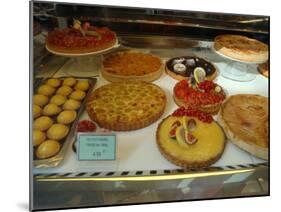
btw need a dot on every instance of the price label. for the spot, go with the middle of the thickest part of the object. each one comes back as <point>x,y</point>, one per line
<point>96,146</point>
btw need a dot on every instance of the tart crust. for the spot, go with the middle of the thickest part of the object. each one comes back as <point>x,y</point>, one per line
<point>263,69</point>
<point>150,76</point>
<point>251,147</point>
<point>151,108</point>
<point>184,163</point>
<point>241,48</point>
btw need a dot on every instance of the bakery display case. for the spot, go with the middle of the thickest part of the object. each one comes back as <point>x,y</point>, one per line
<point>138,105</point>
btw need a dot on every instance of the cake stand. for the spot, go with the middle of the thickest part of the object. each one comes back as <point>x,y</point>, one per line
<point>238,70</point>
<point>83,64</point>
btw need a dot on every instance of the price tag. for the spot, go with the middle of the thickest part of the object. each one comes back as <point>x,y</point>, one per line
<point>96,147</point>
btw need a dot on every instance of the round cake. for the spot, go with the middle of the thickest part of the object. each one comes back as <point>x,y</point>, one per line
<point>131,65</point>
<point>244,118</point>
<point>181,68</point>
<point>127,105</point>
<point>241,48</point>
<point>206,96</point>
<point>72,40</point>
<point>190,139</point>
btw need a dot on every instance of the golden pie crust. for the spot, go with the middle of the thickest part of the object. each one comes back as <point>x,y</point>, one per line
<point>199,155</point>
<point>241,48</point>
<point>263,69</point>
<point>127,105</point>
<point>244,118</point>
<point>131,65</point>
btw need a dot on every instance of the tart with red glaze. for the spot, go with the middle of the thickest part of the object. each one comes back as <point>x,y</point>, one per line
<point>190,138</point>
<point>80,39</point>
<point>205,96</point>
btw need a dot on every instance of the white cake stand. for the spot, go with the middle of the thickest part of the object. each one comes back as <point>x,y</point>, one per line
<point>238,70</point>
<point>83,64</point>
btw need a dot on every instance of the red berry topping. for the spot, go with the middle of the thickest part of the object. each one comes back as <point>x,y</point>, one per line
<point>86,126</point>
<point>204,117</point>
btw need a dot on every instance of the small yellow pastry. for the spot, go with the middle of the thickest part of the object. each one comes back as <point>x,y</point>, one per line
<point>53,82</point>
<point>36,111</point>
<point>58,100</point>
<point>47,149</point>
<point>42,123</point>
<point>40,99</point>
<point>64,90</point>
<point>70,81</point>
<point>82,85</point>
<point>51,109</point>
<point>57,131</point>
<point>77,95</point>
<point>38,137</point>
<point>66,117</point>
<point>46,90</point>
<point>71,105</point>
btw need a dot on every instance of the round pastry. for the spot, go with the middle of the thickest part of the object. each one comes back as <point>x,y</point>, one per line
<point>82,85</point>
<point>40,100</point>
<point>38,137</point>
<point>36,111</point>
<point>71,40</point>
<point>51,109</point>
<point>53,82</point>
<point>70,81</point>
<point>206,96</point>
<point>127,105</point>
<point>263,69</point>
<point>77,95</point>
<point>46,90</point>
<point>244,118</point>
<point>47,149</point>
<point>64,90</point>
<point>58,100</point>
<point>57,132</point>
<point>190,139</point>
<point>131,65</point>
<point>71,105</point>
<point>181,68</point>
<point>42,123</point>
<point>241,48</point>
<point>66,117</point>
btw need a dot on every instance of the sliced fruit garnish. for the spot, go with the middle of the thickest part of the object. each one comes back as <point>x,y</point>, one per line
<point>190,138</point>
<point>185,123</point>
<point>173,129</point>
<point>199,74</point>
<point>191,124</point>
<point>218,89</point>
<point>178,67</point>
<point>180,137</point>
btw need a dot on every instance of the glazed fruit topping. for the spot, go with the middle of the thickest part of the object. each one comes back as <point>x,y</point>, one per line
<point>204,117</point>
<point>86,126</point>
<point>174,127</point>
<point>204,93</point>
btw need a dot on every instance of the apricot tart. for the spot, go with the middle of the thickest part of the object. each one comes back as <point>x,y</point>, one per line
<point>241,48</point>
<point>190,138</point>
<point>244,118</point>
<point>183,67</point>
<point>128,65</point>
<point>205,96</point>
<point>127,105</point>
<point>80,39</point>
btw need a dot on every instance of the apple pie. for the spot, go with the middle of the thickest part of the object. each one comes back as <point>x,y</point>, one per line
<point>244,118</point>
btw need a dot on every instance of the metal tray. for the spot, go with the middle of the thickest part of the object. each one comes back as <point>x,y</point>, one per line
<point>57,159</point>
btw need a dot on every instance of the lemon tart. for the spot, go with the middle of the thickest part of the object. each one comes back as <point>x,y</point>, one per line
<point>190,139</point>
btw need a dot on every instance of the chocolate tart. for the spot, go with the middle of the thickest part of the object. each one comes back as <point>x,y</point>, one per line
<point>181,68</point>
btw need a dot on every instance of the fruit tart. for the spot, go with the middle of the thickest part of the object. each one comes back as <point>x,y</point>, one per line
<point>203,95</point>
<point>81,38</point>
<point>190,138</point>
